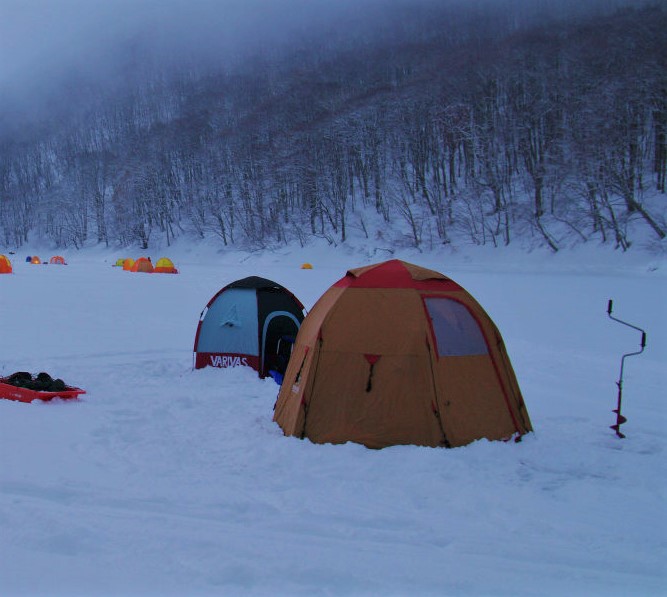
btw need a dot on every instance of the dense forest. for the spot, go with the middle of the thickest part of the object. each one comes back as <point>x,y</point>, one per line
<point>434,122</point>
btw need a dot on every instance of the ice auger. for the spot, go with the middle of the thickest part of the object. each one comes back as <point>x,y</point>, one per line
<point>620,419</point>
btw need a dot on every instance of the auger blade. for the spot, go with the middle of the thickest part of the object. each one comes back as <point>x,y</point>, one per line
<point>615,428</point>
<point>620,419</point>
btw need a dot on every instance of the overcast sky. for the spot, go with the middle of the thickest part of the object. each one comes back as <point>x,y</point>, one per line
<point>42,36</point>
<point>43,40</point>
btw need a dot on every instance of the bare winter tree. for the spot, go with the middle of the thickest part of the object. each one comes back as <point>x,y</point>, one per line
<point>484,122</point>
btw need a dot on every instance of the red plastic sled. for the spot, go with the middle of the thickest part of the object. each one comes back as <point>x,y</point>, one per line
<point>10,392</point>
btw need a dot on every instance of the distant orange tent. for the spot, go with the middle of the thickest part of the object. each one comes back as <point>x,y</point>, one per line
<point>59,259</point>
<point>36,260</point>
<point>164,266</point>
<point>143,264</point>
<point>5,265</point>
<point>127,264</point>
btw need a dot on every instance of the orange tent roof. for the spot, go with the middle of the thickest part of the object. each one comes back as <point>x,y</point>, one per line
<point>143,264</point>
<point>57,259</point>
<point>5,265</point>
<point>127,264</point>
<point>36,260</point>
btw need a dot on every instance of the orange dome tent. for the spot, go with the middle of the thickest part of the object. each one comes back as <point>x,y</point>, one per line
<point>394,353</point>
<point>127,264</point>
<point>143,264</point>
<point>5,265</point>
<point>306,266</point>
<point>58,259</point>
<point>35,260</point>
<point>164,266</point>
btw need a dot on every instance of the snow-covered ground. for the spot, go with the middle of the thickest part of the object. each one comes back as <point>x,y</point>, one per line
<point>162,480</point>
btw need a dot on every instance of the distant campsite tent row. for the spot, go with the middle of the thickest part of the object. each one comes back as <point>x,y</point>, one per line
<point>391,354</point>
<point>55,260</point>
<point>144,264</point>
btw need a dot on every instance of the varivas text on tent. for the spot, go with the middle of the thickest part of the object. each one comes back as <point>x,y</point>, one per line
<point>225,361</point>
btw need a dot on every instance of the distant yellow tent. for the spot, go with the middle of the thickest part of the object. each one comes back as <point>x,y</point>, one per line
<point>164,266</point>
<point>127,264</point>
<point>5,265</point>
<point>58,259</point>
<point>36,260</point>
<point>120,262</point>
<point>306,266</point>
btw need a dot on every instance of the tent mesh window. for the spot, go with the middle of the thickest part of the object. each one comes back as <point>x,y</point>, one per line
<point>456,331</point>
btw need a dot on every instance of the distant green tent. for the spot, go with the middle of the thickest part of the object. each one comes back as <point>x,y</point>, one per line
<point>120,262</point>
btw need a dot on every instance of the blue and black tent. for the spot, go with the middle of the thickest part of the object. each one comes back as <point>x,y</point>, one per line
<point>251,322</point>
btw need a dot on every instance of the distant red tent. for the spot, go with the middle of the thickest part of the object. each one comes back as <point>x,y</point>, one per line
<point>59,259</point>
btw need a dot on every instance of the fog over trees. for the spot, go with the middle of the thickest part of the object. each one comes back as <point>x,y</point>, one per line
<point>484,121</point>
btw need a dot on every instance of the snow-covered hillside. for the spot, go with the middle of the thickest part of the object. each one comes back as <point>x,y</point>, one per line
<point>162,480</point>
